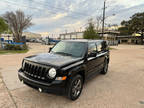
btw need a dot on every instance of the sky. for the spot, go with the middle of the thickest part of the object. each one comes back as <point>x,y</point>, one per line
<point>59,16</point>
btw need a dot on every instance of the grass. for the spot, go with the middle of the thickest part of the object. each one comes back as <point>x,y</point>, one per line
<point>112,48</point>
<point>13,51</point>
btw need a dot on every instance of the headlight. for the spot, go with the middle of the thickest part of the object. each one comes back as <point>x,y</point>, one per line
<point>52,73</point>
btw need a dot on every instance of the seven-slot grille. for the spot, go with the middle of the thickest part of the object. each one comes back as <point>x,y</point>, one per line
<point>35,71</point>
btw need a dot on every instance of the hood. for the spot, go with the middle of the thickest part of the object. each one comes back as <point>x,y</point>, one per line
<point>52,59</point>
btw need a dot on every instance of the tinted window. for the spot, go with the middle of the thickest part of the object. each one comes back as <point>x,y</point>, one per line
<point>76,49</point>
<point>91,47</point>
<point>104,46</point>
<point>99,46</point>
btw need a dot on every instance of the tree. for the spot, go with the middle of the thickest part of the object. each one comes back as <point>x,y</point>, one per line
<point>124,31</point>
<point>90,32</point>
<point>3,28</point>
<point>135,25</point>
<point>98,23</point>
<point>17,23</point>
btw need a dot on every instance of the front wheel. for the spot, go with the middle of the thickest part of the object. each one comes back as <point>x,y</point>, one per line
<point>75,87</point>
<point>105,68</point>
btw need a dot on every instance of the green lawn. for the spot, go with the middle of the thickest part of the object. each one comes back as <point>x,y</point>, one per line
<point>112,48</point>
<point>13,51</point>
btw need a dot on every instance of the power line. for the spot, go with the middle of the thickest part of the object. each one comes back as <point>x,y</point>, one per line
<point>40,3</point>
<point>14,3</point>
<point>53,12</point>
<point>58,8</point>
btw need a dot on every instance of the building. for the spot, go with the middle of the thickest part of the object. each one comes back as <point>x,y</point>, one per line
<point>71,35</point>
<point>129,39</point>
<point>111,35</point>
<point>28,35</point>
<point>108,35</point>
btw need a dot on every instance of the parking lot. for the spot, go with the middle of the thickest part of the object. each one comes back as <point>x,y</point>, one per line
<point>122,87</point>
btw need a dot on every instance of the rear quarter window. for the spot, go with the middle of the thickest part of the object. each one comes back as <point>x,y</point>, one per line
<point>99,46</point>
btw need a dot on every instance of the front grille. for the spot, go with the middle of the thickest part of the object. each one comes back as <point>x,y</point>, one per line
<point>35,71</point>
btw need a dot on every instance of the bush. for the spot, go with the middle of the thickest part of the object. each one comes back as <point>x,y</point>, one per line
<point>25,47</point>
<point>15,47</point>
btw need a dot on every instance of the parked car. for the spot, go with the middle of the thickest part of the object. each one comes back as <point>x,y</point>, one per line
<point>66,67</point>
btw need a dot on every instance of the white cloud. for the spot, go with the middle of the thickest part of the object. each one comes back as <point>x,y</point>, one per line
<point>71,7</point>
<point>78,23</point>
<point>126,3</point>
<point>75,26</point>
<point>43,20</point>
<point>71,14</point>
<point>50,19</point>
<point>59,15</point>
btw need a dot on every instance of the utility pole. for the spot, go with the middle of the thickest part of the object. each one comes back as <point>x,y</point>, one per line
<point>65,34</point>
<point>66,31</point>
<point>103,20</point>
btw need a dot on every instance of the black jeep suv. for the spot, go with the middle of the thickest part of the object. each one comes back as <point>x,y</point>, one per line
<point>66,67</point>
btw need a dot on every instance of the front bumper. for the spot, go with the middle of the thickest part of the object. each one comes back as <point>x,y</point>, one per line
<point>57,87</point>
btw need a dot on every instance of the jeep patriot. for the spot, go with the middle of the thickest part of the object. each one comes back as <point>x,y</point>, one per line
<point>66,67</point>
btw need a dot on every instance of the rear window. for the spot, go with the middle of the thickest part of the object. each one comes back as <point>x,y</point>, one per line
<point>102,46</point>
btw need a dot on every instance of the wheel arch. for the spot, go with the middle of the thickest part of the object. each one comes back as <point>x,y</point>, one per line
<point>82,73</point>
<point>77,70</point>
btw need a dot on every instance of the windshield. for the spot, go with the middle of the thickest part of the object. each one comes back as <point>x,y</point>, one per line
<point>75,49</point>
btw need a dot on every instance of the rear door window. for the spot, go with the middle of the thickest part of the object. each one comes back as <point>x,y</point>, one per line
<point>91,47</point>
<point>99,47</point>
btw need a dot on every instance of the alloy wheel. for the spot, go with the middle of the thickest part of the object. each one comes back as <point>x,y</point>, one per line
<point>77,86</point>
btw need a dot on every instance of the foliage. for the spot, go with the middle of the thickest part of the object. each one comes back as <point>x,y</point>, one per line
<point>3,26</point>
<point>134,25</point>
<point>17,23</point>
<point>90,32</point>
<point>15,47</point>
<point>112,48</point>
<point>124,31</point>
<point>13,51</point>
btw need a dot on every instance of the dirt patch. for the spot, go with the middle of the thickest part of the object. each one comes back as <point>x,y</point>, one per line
<point>0,78</point>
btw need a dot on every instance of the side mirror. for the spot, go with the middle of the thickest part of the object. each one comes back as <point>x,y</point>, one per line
<point>50,49</point>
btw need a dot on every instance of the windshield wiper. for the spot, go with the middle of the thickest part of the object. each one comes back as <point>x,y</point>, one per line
<point>63,53</point>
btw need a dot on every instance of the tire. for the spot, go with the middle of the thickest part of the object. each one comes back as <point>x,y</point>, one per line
<point>105,68</point>
<point>75,86</point>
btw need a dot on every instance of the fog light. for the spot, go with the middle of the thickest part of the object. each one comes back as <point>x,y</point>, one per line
<point>40,90</point>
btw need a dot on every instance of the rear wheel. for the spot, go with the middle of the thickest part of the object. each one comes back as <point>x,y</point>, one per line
<point>75,87</point>
<point>105,68</point>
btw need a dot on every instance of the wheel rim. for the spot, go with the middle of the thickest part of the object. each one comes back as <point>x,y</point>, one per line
<point>76,89</point>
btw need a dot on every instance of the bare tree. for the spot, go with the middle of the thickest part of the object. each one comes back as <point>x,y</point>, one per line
<point>98,23</point>
<point>17,22</point>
